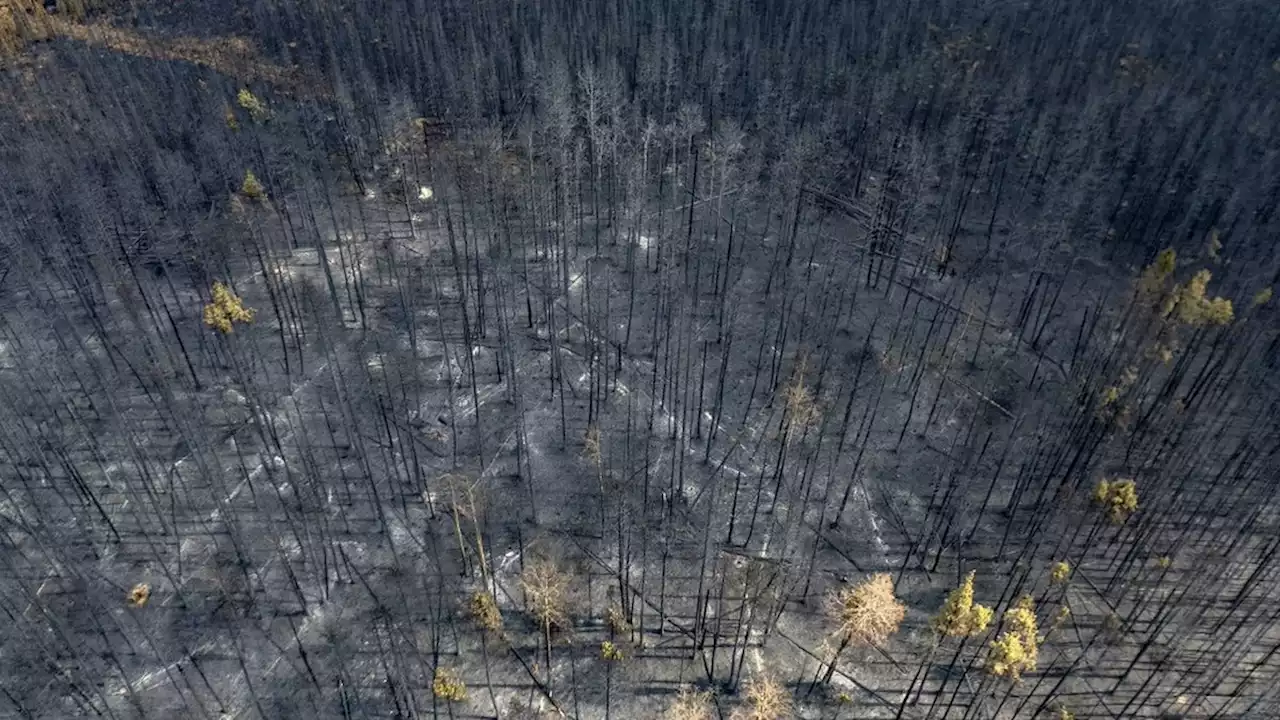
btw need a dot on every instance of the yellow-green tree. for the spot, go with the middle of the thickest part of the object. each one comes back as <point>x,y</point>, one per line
<point>252,188</point>
<point>1169,305</point>
<point>1151,283</point>
<point>226,309</point>
<point>1192,306</point>
<point>1060,571</point>
<point>257,109</point>
<point>610,652</point>
<point>1016,650</point>
<point>484,610</point>
<point>446,685</point>
<point>960,616</point>
<point>1118,497</point>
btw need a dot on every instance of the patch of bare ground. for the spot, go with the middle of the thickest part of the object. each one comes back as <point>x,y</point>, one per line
<point>25,24</point>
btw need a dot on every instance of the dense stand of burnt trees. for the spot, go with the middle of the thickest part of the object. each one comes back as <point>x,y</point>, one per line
<point>596,344</point>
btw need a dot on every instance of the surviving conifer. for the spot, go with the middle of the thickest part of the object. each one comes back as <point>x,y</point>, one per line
<point>1118,497</point>
<point>960,616</point>
<point>446,685</point>
<point>257,109</point>
<point>1060,571</point>
<point>251,188</point>
<point>226,309</point>
<point>1016,650</point>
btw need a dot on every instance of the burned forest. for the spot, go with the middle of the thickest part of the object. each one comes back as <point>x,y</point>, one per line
<point>648,359</point>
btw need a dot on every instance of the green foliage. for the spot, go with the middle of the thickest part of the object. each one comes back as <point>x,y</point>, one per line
<point>1061,617</point>
<point>252,188</point>
<point>959,616</point>
<point>1111,394</point>
<point>1152,280</point>
<point>610,652</point>
<point>226,309</point>
<point>484,610</point>
<point>1194,308</point>
<point>446,685</point>
<point>1008,657</point>
<point>1118,497</point>
<point>1016,650</point>
<point>1060,571</point>
<point>257,109</point>
<point>1188,304</point>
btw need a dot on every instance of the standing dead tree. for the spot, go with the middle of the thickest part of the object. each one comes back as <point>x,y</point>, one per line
<point>866,614</point>
<point>546,590</point>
